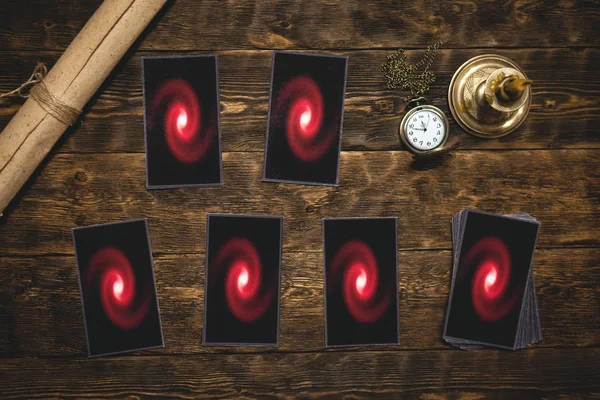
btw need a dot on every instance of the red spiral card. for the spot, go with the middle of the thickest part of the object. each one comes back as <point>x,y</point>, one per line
<point>306,110</point>
<point>361,281</point>
<point>492,300</point>
<point>242,280</point>
<point>117,285</point>
<point>181,104</point>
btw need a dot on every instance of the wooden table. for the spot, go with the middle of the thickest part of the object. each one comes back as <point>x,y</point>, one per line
<point>549,168</point>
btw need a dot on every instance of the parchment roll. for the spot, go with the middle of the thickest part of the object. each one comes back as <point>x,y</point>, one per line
<point>74,79</point>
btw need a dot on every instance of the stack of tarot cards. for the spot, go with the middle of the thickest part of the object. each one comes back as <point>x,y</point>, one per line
<point>492,297</point>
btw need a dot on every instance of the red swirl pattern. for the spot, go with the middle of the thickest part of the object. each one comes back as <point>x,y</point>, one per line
<point>491,294</point>
<point>301,101</point>
<point>247,294</point>
<point>111,270</point>
<point>355,267</point>
<point>188,139</point>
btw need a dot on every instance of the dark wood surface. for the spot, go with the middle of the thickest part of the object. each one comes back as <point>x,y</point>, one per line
<point>549,168</point>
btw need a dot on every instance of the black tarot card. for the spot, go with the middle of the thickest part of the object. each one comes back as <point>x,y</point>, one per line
<point>306,109</point>
<point>492,300</point>
<point>361,281</point>
<point>243,268</point>
<point>118,290</point>
<point>181,109</point>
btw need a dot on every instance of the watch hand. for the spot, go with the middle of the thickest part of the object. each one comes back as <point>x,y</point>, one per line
<point>428,119</point>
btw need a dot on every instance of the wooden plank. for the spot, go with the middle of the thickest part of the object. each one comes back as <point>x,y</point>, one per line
<point>565,111</point>
<point>41,310</point>
<point>548,168</point>
<point>559,187</point>
<point>332,24</point>
<point>535,373</point>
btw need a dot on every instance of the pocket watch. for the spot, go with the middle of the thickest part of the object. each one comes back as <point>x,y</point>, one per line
<point>424,128</point>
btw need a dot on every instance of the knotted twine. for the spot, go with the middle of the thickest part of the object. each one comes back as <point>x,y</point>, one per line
<point>39,92</point>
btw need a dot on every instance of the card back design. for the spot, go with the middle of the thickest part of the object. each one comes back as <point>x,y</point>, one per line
<point>361,281</point>
<point>181,108</point>
<point>306,109</point>
<point>118,290</point>
<point>492,279</point>
<point>242,280</point>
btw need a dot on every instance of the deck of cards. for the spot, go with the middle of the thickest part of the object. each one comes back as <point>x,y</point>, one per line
<point>492,297</point>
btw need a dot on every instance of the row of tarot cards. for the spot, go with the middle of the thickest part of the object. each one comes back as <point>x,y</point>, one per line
<point>492,299</point>
<point>182,122</point>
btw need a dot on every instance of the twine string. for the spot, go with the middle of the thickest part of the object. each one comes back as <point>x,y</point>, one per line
<point>37,75</point>
<point>39,92</point>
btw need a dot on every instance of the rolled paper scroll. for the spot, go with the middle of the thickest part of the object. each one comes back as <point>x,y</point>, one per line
<point>55,102</point>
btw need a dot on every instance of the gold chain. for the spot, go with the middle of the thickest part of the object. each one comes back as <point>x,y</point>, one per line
<point>400,73</point>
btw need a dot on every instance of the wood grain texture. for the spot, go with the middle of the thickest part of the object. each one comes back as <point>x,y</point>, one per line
<point>41,309</point>
<point>536,373</point>
<point>565,111</point>
<point>85,189</point>
<point>96,174</point>
<point>289,24</point>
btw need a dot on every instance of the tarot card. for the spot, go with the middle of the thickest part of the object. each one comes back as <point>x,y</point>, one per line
<point>361,281</point>
<point>529,327</point>
<point>181,109</point>
<point>306,109</point>
<point>492,287</point>
<point>243,269</point>
<point>118,290</point>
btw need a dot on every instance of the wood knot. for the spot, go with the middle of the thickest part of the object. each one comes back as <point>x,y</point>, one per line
<point>80,220</point>
<point>285,24</point>
<point>310,208</point>
<point>18,290</point>
<point>403,293</point>
<point>550,104</point>
<point>385,106</point>
<point>521,17</point>
<point>80,176</point>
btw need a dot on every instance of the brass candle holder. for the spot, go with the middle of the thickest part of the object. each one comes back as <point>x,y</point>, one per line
<point>489,96</point>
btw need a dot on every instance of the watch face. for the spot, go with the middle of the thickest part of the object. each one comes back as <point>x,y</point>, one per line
<point>424,128</point>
